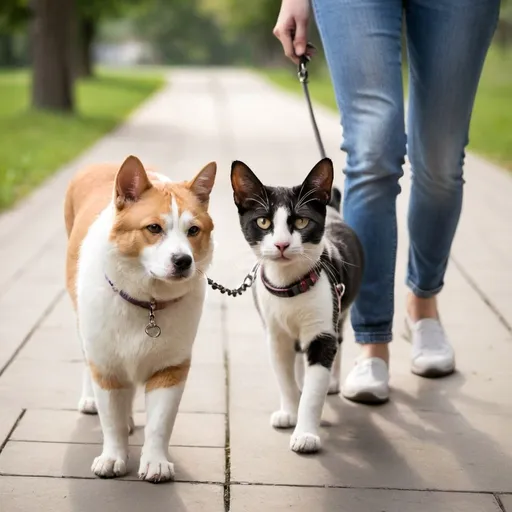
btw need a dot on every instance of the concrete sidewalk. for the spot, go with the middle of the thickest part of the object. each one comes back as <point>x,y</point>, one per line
<point>438,446</point>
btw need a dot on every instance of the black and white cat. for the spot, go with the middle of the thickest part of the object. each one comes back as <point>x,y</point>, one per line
<point>310,272</point>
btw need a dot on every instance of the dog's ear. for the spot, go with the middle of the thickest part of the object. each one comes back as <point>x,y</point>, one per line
<point>318,183</point>
<point>246,186</point>
<point>202,184</point>
<point>131,182</point>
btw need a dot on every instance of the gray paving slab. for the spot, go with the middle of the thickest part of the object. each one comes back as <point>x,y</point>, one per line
<point>191,429</point>
<point>251,498</point>
<point>506,500</point>
<point>61,460</point>
<point>386,447</point>
<point>22,494</point>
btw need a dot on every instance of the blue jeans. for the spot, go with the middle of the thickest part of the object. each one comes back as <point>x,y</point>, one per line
<point>447,41</point>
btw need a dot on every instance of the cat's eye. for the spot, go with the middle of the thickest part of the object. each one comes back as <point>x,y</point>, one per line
<point>154,228</point>
<point>301,222</point>
<point>193,231</point>
<point>263,222</point>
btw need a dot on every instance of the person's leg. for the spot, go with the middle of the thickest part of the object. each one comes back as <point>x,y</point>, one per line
<point>447,43</point>
<point>362,42</point>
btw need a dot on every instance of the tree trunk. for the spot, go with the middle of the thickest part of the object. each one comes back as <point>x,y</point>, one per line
<point>83,65</point>
<point>53,46</point>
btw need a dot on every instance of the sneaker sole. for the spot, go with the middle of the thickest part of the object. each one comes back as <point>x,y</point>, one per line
<point>432,373</point>
<point>365,397</point>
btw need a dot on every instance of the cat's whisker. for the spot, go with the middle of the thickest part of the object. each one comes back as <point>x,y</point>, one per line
<point>301,202</point>
<point>264,199</point>
<point>308,193</point>
<point>344,262</point>
<point>260,202</point>
<point>330,269</point>
<point>326,265</point>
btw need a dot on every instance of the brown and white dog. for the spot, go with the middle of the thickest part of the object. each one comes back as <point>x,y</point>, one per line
<point>138,248</point>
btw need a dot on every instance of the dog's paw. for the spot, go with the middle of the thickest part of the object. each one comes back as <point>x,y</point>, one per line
<point>283,419</point>
<point>106,466</point>
<point>305,443</point>
<point>131,425</point>
<point>334,387</point>
<point>87,405</point>
<point>156,470</point>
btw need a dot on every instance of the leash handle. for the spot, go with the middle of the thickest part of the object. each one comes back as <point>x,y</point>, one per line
<point>303,76</point>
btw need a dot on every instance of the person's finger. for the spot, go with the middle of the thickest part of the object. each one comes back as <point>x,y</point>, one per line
<point>300,39</point>
<point>285,36</point>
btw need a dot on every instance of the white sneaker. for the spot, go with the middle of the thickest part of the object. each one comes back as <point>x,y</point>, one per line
<point>368,381</point>
<point>431,354</point>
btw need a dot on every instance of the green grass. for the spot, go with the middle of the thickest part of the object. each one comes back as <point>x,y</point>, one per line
<point>36,143</point>
<point>491,125</point>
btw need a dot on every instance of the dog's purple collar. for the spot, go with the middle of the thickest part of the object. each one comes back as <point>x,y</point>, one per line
<point>304,284</point>
<point>150,305</point>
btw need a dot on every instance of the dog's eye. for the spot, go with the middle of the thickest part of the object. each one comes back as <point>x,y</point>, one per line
<point>154,228</point>
<point>263,222</point>
<point>193,231</point>
<point>301,223</point>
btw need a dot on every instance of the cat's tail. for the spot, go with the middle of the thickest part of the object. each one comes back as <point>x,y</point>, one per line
<point>335,199</point>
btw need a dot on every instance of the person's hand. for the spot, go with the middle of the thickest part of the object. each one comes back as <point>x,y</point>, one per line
<point>292,28</point>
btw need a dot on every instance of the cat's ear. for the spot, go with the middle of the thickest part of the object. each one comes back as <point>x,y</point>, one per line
<point>246,185</point>
<point>318,183</point>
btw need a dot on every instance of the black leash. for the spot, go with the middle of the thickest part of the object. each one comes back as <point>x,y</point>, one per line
<point>304,80</point>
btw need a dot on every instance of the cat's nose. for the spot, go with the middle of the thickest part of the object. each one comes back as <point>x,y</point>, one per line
<point>181,261</point>
<point>282,246</point>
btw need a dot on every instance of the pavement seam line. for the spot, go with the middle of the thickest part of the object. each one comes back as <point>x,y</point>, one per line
<point>16,423</point>
<point>227,448</point>
<point>70,409</point>
<point>224,126</point>
<point>94,478</point>
<point>370,488</point>
<point>99,443</point>
<point>34,328</point>
<point>487,301</point>
<point>497,498</point>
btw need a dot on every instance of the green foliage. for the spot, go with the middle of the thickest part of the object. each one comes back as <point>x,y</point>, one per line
<point>97,10</point>
<point>40,142</point>
<point>250,24</point>
<point>13,15</point>
<point>181,32</point>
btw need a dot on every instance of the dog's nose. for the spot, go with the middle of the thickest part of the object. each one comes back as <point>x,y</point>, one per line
<point>282,246</point>
<point>181,261</point>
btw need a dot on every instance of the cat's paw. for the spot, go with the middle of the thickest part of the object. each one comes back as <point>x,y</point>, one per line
<point>106,466</point>
<point>156,470</point>
<point>305,443</point>
<point>87,405</point>
<point>283,419</point>
<point>334,387</point>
